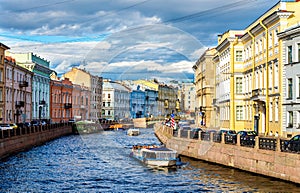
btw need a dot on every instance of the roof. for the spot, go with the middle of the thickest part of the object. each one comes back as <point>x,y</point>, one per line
<point>115,86</point>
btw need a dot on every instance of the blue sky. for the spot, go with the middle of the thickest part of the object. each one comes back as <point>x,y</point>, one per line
<point>123,39</point>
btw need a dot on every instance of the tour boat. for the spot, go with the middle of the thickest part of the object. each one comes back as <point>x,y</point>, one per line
<point>153,155</point>
<point>133,132</point>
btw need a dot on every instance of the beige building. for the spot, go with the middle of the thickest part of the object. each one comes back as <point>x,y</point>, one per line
<point>92,84</point>
<point>167,100</point>
<point>188,95</point>
<point>205,89</point>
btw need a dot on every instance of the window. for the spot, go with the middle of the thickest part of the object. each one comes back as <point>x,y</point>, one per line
<point>290,54</point>
<point>239,113</point>
<point>1,75</point>
<point>290,121</point>
<point>103,104</point>
<point>108,96</point>
<point>290,88</point>
<point>1,95</point>
<point>276,112</point>
<point>239,56</point>
<point>298,52</point>
<point>270,39</point>
<point>271,112</point>
<point>299,87</point>
<point>276,37</point>
<point>239,85</point>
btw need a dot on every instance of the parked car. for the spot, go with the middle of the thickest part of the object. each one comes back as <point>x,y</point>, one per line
<point>247,133</point>
<point>230,135</point>
<point>293,144</point>
<point>71,121</point>
<point>247,137</point>
<point>13,125</point>
<point>34,123</point>
<point>5,126</point>
<point>195,133</point>
<point>43,123</point>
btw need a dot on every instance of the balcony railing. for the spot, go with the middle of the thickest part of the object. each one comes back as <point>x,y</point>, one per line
<point>68,105</point>
<point>23,84</point>
<point>20,104</point>
<point>42,102</point>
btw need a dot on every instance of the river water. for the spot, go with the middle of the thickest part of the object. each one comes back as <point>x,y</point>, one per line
<point>101,163</point>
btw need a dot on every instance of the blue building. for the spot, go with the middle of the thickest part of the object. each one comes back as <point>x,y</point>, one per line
<point>137,103</point>
<point>151,103</point>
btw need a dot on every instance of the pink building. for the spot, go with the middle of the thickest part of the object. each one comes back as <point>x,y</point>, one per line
<point>17,92</point>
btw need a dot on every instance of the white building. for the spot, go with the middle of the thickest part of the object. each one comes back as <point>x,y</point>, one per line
<point>188,97</point>
<point>291,81</point>
<point>116,101</point>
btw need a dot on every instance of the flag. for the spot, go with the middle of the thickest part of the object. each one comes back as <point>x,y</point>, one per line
<point>173,121</point>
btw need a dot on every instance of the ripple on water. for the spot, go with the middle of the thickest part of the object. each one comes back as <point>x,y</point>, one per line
<point>101,163</point>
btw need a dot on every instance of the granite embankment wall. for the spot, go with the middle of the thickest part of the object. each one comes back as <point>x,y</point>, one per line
<point>282,165</point>
<point>12,142</point>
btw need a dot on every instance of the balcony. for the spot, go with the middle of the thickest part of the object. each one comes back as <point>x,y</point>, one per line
<point>23,84</point>
<point>257,95</point>
<point>43,102</point>
<point>68,105</point>
<point>20,104</point>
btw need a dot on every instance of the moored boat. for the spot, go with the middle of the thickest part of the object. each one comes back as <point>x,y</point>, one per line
<point>133,132</point>
<point>155,155</point>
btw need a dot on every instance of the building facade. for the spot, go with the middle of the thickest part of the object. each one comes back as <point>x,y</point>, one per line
<point>263,67</point>
<point>137,103</point>
<point>40,84</point>
<point>96,97</point>
<point>18,88</point>
<point>92,83</point>
<point>116,101</point>
<point>290,80</point>
<point>2,79</point>
<point>228,70</point>
<point>151,103</point>
<point>205,89</point>
<point>249,68</point>
<point>167,99</point>
<point>61,100</point>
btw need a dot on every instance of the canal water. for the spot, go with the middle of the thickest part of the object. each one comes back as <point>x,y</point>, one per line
<point>101,163</point>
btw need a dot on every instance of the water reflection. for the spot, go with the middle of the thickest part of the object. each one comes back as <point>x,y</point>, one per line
<point>101,163</point>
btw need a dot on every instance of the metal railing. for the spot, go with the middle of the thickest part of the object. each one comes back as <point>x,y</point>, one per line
<point>258,142</point>
<point>24,130</point>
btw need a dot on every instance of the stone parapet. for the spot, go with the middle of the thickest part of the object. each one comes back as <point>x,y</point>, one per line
<point>282,165</point>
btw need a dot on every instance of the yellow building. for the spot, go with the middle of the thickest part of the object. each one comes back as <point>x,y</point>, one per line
<point>205,89</point>
<point>248,76</point>
<point>262,75</point>
<point>229,96</point>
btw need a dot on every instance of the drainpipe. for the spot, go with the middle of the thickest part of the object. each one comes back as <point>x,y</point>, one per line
<point>267,76</point>
<point>232,86</point>
<point>253,72</point>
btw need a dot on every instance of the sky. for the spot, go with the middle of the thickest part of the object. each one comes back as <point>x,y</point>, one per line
<point>123,39</point>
